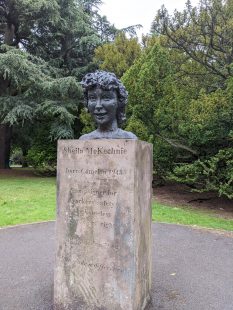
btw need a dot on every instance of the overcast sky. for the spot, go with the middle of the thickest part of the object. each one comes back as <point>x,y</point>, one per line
<point>123,13</point>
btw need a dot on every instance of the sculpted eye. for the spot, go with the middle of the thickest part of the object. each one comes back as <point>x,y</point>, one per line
<point>92,98</point>
<point>106,98</point>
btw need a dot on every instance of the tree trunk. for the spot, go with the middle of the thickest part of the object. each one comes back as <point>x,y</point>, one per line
<point>5,133</point>
<point>24,162</point>
<point>5,144</point>
<point>6,130</point>
<point>9,34</point>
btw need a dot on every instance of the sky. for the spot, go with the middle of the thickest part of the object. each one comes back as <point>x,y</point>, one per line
<point>123,13</point>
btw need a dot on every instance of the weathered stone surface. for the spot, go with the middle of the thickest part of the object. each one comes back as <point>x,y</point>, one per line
<point>103,256</point>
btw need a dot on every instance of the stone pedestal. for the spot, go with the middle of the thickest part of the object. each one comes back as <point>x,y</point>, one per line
<point>103,229</point>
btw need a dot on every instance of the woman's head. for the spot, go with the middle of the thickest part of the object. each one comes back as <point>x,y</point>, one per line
<point>106,81</point>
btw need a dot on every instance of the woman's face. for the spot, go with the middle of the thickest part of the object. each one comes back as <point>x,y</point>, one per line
<point>102,104</point>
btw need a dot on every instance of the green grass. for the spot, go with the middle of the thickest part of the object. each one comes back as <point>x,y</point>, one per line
<point>32,199</point>
<point>189,216</point>
<point>26,200</point>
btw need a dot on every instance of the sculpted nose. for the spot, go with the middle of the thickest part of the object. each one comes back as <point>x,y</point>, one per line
<point>98,104</point>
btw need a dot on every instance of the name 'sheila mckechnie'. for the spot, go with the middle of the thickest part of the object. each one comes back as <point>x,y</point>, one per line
<point>95,151</point>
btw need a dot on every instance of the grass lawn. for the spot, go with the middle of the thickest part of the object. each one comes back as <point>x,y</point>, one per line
<point>32,199</point>
<point>189,216</point>
<point>26,200</point>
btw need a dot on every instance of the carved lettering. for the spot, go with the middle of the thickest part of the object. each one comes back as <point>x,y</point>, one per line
<point>105,151</point>
<point>72,171</point>
<point>72,150</point>
<point>100,267</point>
<point>87,212</point>
<point>107,225</point>
<point>106,244</point>
<point>91,191</point>
<point>98,171</point>
<point>94,151</point>
<point>87,202</point>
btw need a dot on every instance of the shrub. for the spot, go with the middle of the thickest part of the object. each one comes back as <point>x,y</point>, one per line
<point>214,174</point>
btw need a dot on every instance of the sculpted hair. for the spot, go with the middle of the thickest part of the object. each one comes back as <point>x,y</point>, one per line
<point>107,81</point>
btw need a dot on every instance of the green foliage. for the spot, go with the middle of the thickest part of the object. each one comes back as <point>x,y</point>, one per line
<point>87,121</point>
<point>36,91</point>
<point>42,153</point>
<point>204,33</point>
<point>105,30</point>
<point>164,157</point>
<point>17,157</point>
<point>187,125</point>
<point>119,55</point>
<point>38,156</point>
<point>139,128</point>
<point>145,81</point>
<point>69,42</point>
<point>151,108</point>
<point>181,95</point>
<point>58,31</point>
<point>19,18</point>
<point>208,122</point>
<point>214,174</point>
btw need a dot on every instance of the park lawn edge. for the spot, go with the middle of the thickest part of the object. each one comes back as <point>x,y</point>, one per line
<point>187,216</point>
<point>26,224</point>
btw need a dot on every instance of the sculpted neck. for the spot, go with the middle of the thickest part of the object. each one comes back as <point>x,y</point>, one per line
<point>108,127</point>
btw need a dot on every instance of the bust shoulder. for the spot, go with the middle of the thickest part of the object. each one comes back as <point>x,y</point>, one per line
<point>127,135</point>
<point>89,136</point>
<point>117,134</point>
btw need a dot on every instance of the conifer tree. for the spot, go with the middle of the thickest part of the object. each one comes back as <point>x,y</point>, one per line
<point>32,88</point>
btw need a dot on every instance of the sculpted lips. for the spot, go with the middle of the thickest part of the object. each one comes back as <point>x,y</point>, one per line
<point>100,114</point>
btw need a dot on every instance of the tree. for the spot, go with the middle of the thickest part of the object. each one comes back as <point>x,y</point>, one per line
<point>152,110</point>
<point>34,88</point>
<point>69,42</point>
<point>190,127</point>
<point>61,33</point>
<point>203,33</point>
<point>16,19</point>
<point>200,42</point>
<point>37,91</point>
<point>119,55</point>
<point>208,127</point>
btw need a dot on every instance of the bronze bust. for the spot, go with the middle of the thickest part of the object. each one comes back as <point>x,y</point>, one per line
<point>105,98</point>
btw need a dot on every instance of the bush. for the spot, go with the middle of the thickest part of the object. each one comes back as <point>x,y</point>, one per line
<point>46,171</point>
<point>43,159</point>
<point>17,157</point>
<point>214,174</point>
